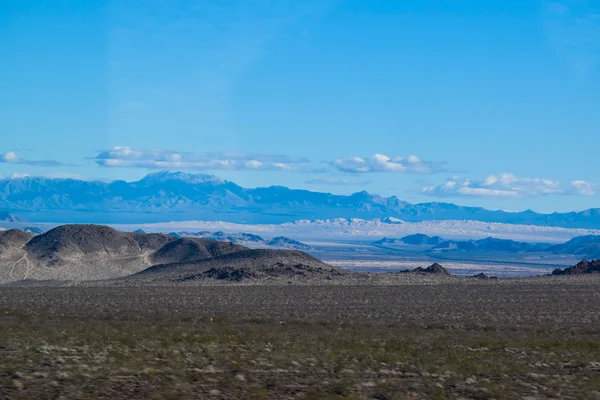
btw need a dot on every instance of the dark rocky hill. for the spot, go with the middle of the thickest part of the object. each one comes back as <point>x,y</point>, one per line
<point>151,241</point>
<point>69,240</point>
<point>481,275</point>
<point>434,268</point>
<point>95,252</point>
<point>583,267</point>
<point>190,249</point>
<point>255,264</point>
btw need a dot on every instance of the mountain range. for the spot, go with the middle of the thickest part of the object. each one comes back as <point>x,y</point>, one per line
<point>177,196</point>
<point>587,246</point>
<point>247,239</point>
<point>491,245</point>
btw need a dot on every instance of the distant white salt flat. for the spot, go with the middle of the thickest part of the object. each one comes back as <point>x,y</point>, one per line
<point>334,244</point>
<point>354,229</point>
<point>455,267</point>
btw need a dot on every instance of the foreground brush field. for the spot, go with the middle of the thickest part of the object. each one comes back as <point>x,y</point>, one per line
<point>533,338</point>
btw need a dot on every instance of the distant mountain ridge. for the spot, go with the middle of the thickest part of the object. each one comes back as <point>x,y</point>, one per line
<point>247,239</point>
<point>587,246</point>
<point>177,196</point>
<point>491,245</point>
<point>418,239</point>
<point>8,217</point>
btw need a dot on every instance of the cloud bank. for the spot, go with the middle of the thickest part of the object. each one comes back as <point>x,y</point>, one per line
<point>382,163</point>
<point>508,185</point>
<point>127,157</point>
<point>12,158</point>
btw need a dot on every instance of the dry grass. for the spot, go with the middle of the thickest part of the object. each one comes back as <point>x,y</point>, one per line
<point>450,340</point>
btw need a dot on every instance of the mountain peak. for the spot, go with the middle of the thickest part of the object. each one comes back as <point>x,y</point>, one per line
<point>164,176</point>
<point>362,194</point>
<point>9,217</point>
<point>392,220</point>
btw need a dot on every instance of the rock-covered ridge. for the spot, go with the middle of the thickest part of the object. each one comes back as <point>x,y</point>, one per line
<point>258,264</point>
<point>67,241</point>
<point>583,267</point>
<point>96,252</point>
<point>189,249</point>
<point>434,268</point>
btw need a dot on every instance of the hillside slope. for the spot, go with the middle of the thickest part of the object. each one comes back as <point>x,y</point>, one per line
<point>13,238</point>
<point>96,252</point>
<point>189,249</point>
<point>587,246</point>
<point>255,264</point>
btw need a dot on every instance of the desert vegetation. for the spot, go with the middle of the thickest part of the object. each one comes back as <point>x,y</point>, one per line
<point>483,340</point>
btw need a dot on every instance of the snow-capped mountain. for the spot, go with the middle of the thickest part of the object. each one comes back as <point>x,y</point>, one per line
<point>177,196</point>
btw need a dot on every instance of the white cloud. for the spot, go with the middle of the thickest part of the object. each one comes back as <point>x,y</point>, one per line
<point>508,185</point>
<point>127,157</point>
<point>583,188</point>
<point>253,164</point>
<point>383,163</point>
<point>12,158</point>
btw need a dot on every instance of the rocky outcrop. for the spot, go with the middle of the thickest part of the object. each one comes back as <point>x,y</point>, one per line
<point>434,268</point>
<point>583,267</point>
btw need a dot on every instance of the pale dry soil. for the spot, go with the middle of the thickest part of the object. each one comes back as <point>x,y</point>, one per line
<point>16,265</point>
<point>525,339</point>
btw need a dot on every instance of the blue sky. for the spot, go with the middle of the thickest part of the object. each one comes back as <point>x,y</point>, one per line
<point>489,103</point>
